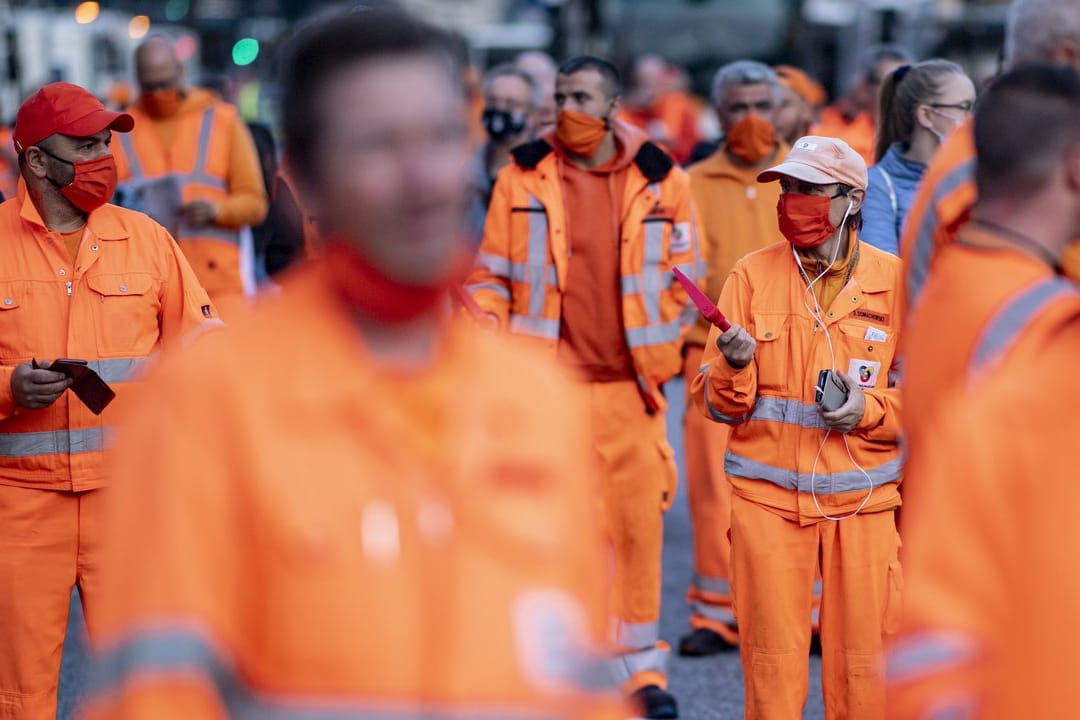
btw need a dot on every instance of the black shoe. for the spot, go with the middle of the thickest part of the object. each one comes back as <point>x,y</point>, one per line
<point>655,703</point>
<point>703,642</point>
<point>815,644</point>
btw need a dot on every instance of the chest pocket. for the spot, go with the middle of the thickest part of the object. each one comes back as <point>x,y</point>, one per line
<point>125,310</point>
<point>868,352</point>
<point>17,330</point>
<point>773,353</point>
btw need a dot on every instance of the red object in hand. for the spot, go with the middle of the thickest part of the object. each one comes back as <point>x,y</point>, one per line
<point>708,309</point>
<point>463,298</point>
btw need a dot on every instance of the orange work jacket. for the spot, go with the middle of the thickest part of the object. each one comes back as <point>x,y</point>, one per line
<point>522,264</point>
<point>941,206</point>
<point>778,428</point>
<point>858,133</point>
<point>990,629</point>
<point>738,216</point>
<point>200,157</point>
<point>375,547</point>
<point>129,293</point>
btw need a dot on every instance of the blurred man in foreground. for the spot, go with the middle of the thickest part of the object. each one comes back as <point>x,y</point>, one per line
<point>990,628</point>
<point>87,281</point>
<point>370,523</point>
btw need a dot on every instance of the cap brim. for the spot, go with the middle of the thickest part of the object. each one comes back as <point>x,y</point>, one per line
<point>797,170</point>
<point>97,121</point>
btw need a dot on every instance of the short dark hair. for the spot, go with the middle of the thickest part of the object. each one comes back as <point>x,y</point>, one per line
<point>612,81</point>
<point>1023,125</point>
<point>331,42</point>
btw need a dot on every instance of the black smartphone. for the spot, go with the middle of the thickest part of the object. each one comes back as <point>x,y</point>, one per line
<point>831,393</point>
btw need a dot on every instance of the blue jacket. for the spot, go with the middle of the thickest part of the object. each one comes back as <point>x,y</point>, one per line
<point>893,183</point>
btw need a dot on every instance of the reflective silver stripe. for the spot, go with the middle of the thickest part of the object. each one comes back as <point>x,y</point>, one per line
<point>134,166</point>
<point>919,262</point>
<point>711,612</point>
<point>497,288</point>
<point>633,284</point>
<point>538,257</point>
<point>927,653</point>
<point>634,635</point>
<point>654,334</point>
<point>824,483</point>
<point>789,412</point>
<point>54,442</point>
<point>624,667</point>
<point>202,151</point>
<point>1011,320</point>
<point>818,585</point>
<point>713,412</point>
<point>186,654</point>
<point>534,326</point>
<point>715,586</point>
<point>652,278</point>
<point>495,264</point>
<point>118,370</point>
<point>815,616</point>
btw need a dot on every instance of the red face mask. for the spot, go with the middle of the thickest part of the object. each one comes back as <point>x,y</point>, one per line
<point>93,184</point>
<point>162,103</point>
<point>804,219</point>
<point>368,290</point>
<point>752,139</point>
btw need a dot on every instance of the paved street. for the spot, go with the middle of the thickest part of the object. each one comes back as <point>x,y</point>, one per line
<point>708,689</point>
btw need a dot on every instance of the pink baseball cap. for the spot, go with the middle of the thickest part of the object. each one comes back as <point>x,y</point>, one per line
<point>820,161</point>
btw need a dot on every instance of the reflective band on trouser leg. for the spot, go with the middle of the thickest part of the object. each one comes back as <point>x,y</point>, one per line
<point>538,257</point>
<point>824,483</point>
<point>919,262</point>
<point>1010,321</point>
<point>184,655</point>
<point>54,442</point>
<point>628,668</point>
<point>634,636</point>
<point>927,653</point>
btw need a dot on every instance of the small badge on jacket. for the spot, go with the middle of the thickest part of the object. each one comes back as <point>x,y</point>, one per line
<point>865,372</point>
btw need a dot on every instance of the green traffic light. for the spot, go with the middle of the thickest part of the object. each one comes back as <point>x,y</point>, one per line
<point>245,51</point>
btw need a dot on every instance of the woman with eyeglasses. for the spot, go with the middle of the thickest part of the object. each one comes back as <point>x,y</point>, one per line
<point>921,105</point>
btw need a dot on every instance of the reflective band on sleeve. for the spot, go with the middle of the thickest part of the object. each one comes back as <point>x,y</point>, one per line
<point>182,655</point>
<point>118,370</point>
<point>713,412</point>
<point>921,254</point>
<point>1011,320</point>
<point>654,334</point>
<point>634,635</point>
<point>494,264</point>
<point>711,585</point>
<point>534,327</point>
<point>824,483</point>
<point>54,442</point>
<point>713,613</point>
<point>538,257</point>
<point>626,666</point>
<point>928,653</point>
<point>494,287</point>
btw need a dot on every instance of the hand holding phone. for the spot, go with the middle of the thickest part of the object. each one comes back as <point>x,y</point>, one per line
<point>85,383</point>
<point>831,393</point>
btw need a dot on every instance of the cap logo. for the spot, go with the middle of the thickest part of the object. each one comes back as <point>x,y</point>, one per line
<point>806,145</point>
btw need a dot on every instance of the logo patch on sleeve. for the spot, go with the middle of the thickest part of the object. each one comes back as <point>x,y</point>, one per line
<point>865,372</point>
<point>874,317</point>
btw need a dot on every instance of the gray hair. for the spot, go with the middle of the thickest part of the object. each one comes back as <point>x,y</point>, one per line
<point>1035,27</point>
<point>536,93</point>
<point>743,72</point>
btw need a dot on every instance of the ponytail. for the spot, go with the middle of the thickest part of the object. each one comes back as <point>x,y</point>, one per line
<point>888,119</point>
<point>902,91</point>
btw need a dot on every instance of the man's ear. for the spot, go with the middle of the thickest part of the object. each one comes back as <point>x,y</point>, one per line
<point>857,197</point>
<point>616,108</point>
<point>36,161</point>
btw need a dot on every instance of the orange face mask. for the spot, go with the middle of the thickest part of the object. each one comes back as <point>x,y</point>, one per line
<point>752,139</point>
<point>162,103</point>
<point>580,133</point>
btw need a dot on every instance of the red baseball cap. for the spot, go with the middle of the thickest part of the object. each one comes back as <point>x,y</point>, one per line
<point>66,109</point>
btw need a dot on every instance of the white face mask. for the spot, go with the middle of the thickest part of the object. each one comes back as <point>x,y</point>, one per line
<point>941,137</point>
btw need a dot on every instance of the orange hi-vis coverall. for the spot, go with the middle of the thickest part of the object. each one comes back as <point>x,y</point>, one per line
<point>738,216</point>
<point>983,295</point>
<point>395,544</point>
<point>209,148</point>
<point>779,536</point>
<point>126,295</point>
<point>521,278</point>
<point>990,629</point>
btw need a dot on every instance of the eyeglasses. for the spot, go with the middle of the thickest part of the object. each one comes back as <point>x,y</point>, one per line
<point>966,107</point>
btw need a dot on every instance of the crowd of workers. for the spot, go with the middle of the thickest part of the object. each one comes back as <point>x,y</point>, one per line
<point>425,475</point>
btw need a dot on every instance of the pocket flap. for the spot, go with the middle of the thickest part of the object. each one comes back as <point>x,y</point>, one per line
<point>768,327</point>
<point>9,297</point>
<point>120,285</point>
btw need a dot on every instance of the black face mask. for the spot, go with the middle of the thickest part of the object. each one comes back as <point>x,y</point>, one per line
<point>502,125</point>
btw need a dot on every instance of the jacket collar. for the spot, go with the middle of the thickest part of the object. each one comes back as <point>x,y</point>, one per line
<point>104,223</point>
<point>720,165</point>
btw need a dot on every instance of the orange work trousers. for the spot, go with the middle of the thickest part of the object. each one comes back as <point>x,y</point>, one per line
<point>638,479</point>
<point>773,568</point>
<point>49,542</point>
<point>709,494</point>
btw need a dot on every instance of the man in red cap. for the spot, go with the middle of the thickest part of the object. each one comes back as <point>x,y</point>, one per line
<point>85,280</point>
